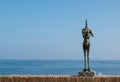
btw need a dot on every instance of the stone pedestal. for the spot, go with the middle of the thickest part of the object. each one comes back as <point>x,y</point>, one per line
<point>87,73</point>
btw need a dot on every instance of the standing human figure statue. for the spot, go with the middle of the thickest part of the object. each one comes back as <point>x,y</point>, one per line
<point>86,33</point>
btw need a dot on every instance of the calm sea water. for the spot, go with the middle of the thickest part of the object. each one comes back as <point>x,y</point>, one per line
<point>57,67</point>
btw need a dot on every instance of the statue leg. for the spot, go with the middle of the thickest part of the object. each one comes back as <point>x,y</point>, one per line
<point>88,61</point>
<point>84,59</point>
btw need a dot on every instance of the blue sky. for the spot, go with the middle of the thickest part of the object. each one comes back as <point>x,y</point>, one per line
<point>51,29</point>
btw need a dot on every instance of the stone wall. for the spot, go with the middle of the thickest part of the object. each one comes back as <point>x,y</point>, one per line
<point>47,78</point>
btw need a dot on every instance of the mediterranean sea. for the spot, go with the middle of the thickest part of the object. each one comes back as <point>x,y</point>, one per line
<point>57,67</point>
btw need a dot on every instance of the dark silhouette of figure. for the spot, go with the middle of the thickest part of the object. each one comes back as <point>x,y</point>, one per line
<point>86,33</point>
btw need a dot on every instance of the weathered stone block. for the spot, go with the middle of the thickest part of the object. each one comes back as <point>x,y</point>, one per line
<point>87,73</point>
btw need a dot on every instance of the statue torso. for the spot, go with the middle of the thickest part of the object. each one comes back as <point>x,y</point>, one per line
<point>86,32</point>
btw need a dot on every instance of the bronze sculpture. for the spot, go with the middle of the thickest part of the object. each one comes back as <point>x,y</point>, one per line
<point>86,33</point>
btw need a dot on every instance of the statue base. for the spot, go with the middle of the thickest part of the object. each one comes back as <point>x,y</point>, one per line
<point>87,73</point>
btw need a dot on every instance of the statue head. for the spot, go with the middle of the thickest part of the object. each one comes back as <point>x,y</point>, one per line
<point>86,24</point>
